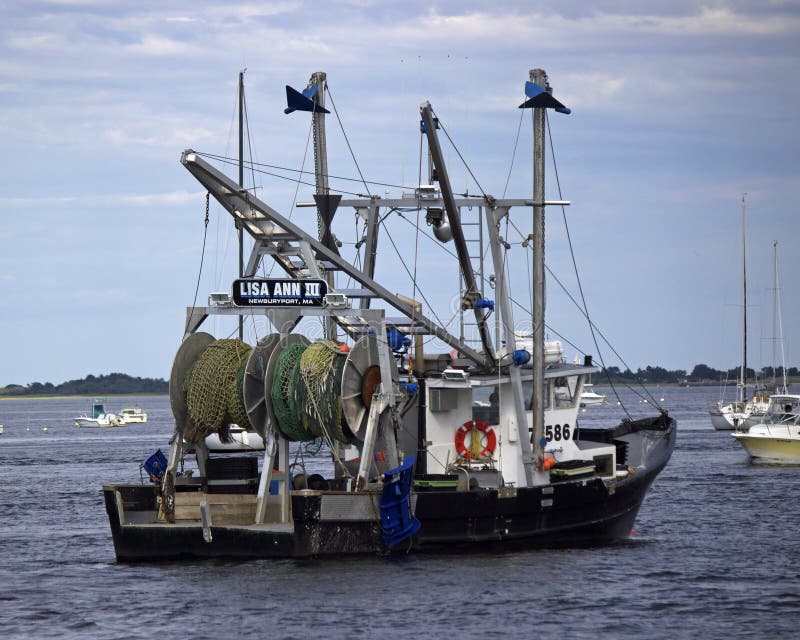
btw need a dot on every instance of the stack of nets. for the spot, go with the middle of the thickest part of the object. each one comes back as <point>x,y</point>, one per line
<point>284,396</point>
<point>320,394</point>
<point>213,391</point>
<point>306,392</point>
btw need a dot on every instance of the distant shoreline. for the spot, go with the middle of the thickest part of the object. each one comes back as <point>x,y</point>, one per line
<point>77,396</point>
<point>597,383</point>
<point>111,384</point>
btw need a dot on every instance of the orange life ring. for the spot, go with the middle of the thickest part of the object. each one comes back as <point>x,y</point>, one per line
<point>486,448</point>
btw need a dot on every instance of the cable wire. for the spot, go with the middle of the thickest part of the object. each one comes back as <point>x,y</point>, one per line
<point>580,286</point>
<point>455,148</point>
<point>344,133</point>
<point>202,257</point>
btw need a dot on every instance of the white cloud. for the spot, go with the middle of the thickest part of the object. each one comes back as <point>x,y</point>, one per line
<point>154,45</point>
<point>165,135</point>
<point>167,198</point>
<point>77,3</point>
<point>592,90</point>
<point>38,43</point>
<point>247,11</point>
<point>708,21</point>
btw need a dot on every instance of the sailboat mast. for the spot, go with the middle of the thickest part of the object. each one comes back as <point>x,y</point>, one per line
<point>539,77</point>
<point>742,377</point>
<point>774,314</point>
<point>778,317</point>
<point>239,228</point>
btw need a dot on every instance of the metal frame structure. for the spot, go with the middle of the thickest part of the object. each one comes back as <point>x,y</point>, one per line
<point>301,256</point>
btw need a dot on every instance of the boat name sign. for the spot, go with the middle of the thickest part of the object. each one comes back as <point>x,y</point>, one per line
<point>279,292</point>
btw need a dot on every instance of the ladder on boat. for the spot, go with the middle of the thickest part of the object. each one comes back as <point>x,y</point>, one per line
<point>301,255</point>
<point>472,223</point>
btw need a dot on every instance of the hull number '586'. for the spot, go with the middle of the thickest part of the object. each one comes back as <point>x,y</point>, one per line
<point>557,432</point>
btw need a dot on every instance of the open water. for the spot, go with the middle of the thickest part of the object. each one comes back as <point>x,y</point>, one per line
<point>714,554</point>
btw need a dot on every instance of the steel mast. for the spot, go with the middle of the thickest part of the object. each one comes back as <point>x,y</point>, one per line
<point>312,99</point>
<point>540,97</point>
<point>539,77</point>
<point>239,229</point>
<point>324,209</point>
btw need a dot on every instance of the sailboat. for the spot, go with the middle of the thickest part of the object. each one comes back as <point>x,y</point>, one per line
<point>743,412</point>
<point>775,436</point>
<point>416,464</point>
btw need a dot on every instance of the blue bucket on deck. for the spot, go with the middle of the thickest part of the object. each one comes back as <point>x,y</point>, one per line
<point>155,466</point>
<point>397,520</point>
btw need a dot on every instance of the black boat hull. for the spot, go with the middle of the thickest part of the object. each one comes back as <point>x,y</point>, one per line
<point>580,512</point>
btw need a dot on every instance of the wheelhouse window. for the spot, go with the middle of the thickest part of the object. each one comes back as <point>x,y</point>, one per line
<point>486,405</point>
<point>527,390</point>
<point>565,392</point>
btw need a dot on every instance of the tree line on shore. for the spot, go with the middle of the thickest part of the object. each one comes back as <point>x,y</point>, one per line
<point>120,383</point>
<point>701,374</point>
<point>110,384</point>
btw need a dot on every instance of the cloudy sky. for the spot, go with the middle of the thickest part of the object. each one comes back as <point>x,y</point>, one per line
<point>678,109</point>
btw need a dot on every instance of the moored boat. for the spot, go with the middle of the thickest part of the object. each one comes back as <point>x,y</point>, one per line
<point>99,417</point>
<point>238,439</point>
<point>589,397</point>
<point>776,439</point>
<point>742,414</point>
<point>751,412</point>
<point>746,412</point>
<point>417,463</point>
<point>132,415</point>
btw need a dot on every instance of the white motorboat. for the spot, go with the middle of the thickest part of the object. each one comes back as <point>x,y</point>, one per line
<point>777,437</point>
<point>239,439</point>
<point>130,415</point>
<point>99,417</point>
<point>590,397</point>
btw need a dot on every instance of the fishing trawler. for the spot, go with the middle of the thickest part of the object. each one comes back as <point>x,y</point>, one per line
<point>475,449</point>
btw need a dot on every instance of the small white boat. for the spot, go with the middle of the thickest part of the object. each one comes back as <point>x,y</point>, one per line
<point>130,415</point>
<point>740,415</point>
<point>1,429</point>
<point>99,417</point>
<point>240,440</point>
<point>589,397</point>
<point>777,437</point>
